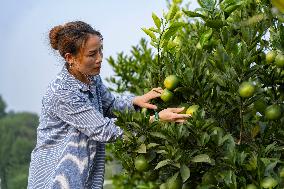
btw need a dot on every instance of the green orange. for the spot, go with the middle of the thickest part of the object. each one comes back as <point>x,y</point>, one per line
<point>174,183</point>
<point>192,109</point>
<point>269,182</point>
<point>273,112</point>
<point>141,164</point>
<point>167,95</point>
<point>251,186</point>
<point>282,173</point>
<point>246,89</point>
<point>279,60</point>
<point>171,82</point>
<point>270,56</point>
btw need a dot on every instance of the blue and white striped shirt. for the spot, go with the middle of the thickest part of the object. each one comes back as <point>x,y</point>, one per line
<point>75,123</point>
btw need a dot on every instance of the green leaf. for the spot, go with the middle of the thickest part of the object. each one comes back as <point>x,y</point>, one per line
<point>207,4</point>
<point>163,163</point>
<point>156,20</point>
<point>172,30</point>
<point>172,12</point>
<point>229,7</point>
<point>158,135</point>
<point>204,39</point>
<point>142,149</point>
<point>149,33</point>
<point>193,14</point>
<point>151,145</point>
<point>270,147</point>
<point>185,172</point>
<point>202,158</point>
<point>217,24</point>
<point>204,138</point>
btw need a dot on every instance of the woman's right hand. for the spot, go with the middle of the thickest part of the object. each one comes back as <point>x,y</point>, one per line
<point>172,115</point>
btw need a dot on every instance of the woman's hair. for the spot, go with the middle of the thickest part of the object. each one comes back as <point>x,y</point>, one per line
<point>71,37</point>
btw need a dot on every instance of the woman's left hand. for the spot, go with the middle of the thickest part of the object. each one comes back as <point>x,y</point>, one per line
<point>143,101</point>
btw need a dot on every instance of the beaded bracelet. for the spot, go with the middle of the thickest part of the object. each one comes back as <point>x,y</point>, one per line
<point>157,116</point>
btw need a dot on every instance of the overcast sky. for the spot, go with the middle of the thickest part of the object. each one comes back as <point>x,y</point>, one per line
<point>27,63</point>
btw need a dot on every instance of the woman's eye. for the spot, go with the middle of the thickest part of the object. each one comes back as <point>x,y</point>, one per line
<point>93,54</point>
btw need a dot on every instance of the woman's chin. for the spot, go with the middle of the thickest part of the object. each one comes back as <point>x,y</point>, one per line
<point>96,72</point>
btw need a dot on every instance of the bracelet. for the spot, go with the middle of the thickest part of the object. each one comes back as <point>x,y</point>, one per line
<point>157,116</point>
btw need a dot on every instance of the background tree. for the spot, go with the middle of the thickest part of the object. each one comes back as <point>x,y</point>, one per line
<point>17,139</point>
<point>2,107</point>
<point>219,52</point>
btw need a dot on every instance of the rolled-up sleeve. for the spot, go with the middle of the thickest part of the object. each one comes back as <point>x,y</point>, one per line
<point>79,113</point>
<point>110,102</point>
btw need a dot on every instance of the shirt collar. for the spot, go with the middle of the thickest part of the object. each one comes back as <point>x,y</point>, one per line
<point>70,79</point>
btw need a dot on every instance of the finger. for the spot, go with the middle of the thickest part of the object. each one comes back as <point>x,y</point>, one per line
<point>182,116</point>
<point>176,110</point>
<point>149,106</point>
<point>157,90</point>
<point>152,95</point>
<point>181,121</point>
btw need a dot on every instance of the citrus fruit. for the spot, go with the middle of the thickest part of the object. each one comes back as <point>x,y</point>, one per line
<point>269,182</point>
<point>141,163</point>
<point>167,95</point>
<point>270,56</point>
<point>273,112</point>
<point>171,82</point>
<point>246,89</point>
<point>279,60</point>
<point>192,109</point>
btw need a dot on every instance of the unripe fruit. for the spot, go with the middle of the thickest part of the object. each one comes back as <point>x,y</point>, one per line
<point>279,61</point>
<point>171,82</point>
<point>141,163</point>
<point>174,184</point>
<point>270,56</point>
<point>273,112</point>
<point>282,173</point>
<point>246,89</point>
<point>251,186</point>
<point>192,109</point>
<point>269,182</point>
<point>163,186</point>
<point>167,95</point>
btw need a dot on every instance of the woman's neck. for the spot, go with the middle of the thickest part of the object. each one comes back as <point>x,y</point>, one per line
<point>80,76</point>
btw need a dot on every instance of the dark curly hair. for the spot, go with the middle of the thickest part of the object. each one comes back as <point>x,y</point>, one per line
<point>71,37</point>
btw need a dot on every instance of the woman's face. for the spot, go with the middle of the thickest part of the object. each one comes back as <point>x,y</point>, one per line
<point>90,57</point>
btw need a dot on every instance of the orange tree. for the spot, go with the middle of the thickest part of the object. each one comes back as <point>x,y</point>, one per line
<point>228,56</point>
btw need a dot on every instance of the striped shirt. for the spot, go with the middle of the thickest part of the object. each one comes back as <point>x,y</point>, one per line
<point>75,123</point>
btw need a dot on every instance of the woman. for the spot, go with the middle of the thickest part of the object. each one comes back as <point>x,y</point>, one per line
<point>76,118</point>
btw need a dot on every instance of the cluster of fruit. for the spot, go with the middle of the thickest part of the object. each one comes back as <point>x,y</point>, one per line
<point>275,57</point>
<point>171,82</point>
<point>247,89</point>
<point>142,165</point>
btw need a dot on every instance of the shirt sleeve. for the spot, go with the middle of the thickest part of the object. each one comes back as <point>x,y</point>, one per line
<point>79,113</point>
<point>110,102</point>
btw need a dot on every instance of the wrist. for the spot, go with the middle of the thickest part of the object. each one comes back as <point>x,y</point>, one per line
<point>152,118</point>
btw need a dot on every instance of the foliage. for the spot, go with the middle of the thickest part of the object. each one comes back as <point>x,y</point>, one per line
<point>17,139</point>
<point>229,143</point>
<point>2,107</point>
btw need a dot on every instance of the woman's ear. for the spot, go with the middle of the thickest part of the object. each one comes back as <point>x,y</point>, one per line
<point>70,59</point>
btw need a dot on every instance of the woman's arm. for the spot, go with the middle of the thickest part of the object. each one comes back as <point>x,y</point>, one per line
<point>111,103</point>
<point>79,113</point>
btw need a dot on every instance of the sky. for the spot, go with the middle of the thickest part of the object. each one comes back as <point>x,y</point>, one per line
<point>27,62</point>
